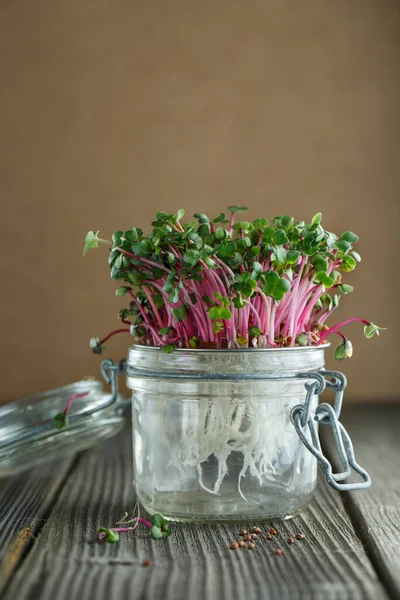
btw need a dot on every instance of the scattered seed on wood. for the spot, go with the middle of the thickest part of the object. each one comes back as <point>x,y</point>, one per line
<point>290,540</point>
<point>278,551</point>
<point>146,563</point>
<point>234,546</point>
<point>253,536</point>
<point>268,536</point>
<point>251,546</point>
<point>243,532</point>
<point>241,544</point>
<point>247,538</point>
<point>256,530</point>
<point>299,536</point>
<point>272,531</point>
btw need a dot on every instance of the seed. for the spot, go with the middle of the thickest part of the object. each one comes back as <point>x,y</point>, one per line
<point>268,536</point>
<point>241,544</point>
<point>234,546</point>
<point>290,540</point>
<point>272,531</point>
<point>251,546</point>
<point>253,535</point>
<point>247,538</point>
<point>256,530</point>
<point>299,536</point>
<point>243,532</point>
<point>278,551</point>
<point>146,563</point>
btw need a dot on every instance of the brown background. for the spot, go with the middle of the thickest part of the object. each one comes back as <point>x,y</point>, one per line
<point>112,110</point>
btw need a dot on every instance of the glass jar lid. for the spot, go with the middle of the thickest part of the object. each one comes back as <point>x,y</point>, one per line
<point>28,429</point>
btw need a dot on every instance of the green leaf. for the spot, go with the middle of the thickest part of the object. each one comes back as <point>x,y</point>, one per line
<point>324,279</point>
<point>95,345</point>
<point>169,348</point>
<point>164,330</point>
<point>158,520</point>
<point>356,255</point>
<point>345,288</point>
<point>131,235</point>
<point>156,533</point>
<point>204,230</point>
<point>220,233</point>
<point>254,331</point>
<point>220,218</point>
<point>344,350</point>
<point>238,301</point>
<point>236,209</point>
<point>112,536</point>
<point>220,312</point>
<point>316,220</point>
<point>260,223</point>
<point>202,218</point>
<point>342,245</point>
<point>194,342</point>
<point>274,286</point>
<point>217,326</point>
<point>207,299</point>
<point>292,257</point>
<point>257,270</point>
<point>302,339</point>
<point>122,290</point>
<point>349,236</point>
<point>179,314</point>
<point>92,240</point>
<point>166,531</point>
<point>174,295</point>
<point>225,301</point>
<point>180,214</point>
<point>191,257</point>
<point>371,329</point>
<point>146,247</point>
<point>169,282</point>
<point>228,249</point>
<point>348,264</point>
<point>60,420</point>
<point>279,237</point>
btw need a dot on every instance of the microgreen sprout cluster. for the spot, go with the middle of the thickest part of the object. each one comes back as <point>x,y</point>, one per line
<point>230,283</point>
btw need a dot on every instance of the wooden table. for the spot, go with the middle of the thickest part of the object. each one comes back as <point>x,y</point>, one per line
<point>351,549</point>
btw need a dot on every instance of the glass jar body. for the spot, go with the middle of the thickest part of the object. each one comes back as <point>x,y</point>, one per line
<point>212,434</point>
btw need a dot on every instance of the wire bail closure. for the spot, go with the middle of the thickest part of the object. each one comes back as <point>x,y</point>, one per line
<point>328,416</point>
<point>110,371</point>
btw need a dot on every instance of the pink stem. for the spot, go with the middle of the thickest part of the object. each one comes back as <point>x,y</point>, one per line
<point>71,399</point>
<point>340,325</point>
<point>113,333</point>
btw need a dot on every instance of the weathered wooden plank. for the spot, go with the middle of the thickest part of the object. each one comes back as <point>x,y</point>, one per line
<point>375,513</point>
<point>195,562</point>
<point>25,502</point>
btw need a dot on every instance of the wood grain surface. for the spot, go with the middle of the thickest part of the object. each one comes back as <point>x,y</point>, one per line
<point>342,555</point>
<point>375,513</point>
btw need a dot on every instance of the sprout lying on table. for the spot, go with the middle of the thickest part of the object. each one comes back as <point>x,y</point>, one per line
<point>261,285</point>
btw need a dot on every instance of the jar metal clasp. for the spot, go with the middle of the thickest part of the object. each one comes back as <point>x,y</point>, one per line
<point>306,425</point>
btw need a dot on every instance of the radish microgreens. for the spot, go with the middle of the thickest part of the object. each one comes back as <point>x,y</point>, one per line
<point>248,284</point>
<point>158,525</point>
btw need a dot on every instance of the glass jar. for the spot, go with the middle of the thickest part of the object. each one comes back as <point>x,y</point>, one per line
<point>213,438</point>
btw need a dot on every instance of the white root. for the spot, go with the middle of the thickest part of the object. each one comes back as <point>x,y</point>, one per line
<point>219,427</point>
